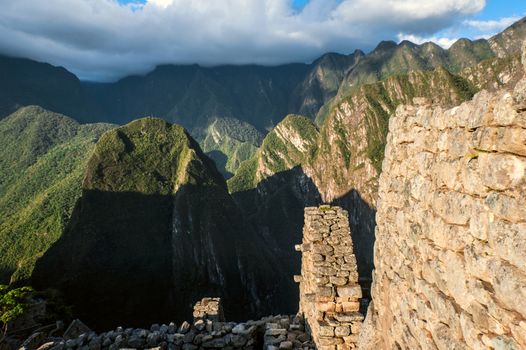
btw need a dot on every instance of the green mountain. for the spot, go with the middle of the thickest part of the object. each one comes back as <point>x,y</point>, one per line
<point>149,185</point>
<point>195,97</point>
<point>155,223</point>
<point>510,41</point>
<point>229,142</point>
<point>389,59</point>
<point>299,164</point>
<point>25,82</point>
<point>42,163</point>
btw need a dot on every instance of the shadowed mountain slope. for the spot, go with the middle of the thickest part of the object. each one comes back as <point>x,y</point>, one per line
<point>155,219</point>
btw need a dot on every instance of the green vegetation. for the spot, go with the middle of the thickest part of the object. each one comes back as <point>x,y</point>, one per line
<point>229,142</point>
<point>153,158</point>
<point>13,304</point>
<point>245,177</point>
<point>279,152</point>
<point>42,165</point>
<point>154,204</point>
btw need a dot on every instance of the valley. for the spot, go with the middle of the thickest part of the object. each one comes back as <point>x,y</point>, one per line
<point>190,182</point>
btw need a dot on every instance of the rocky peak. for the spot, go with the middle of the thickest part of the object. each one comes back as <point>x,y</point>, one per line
<point>385,46</point>
<point>510,40</point>
<point>154,218</point>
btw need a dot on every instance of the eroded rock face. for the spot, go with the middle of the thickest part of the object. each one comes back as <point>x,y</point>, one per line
<point>450,255</point>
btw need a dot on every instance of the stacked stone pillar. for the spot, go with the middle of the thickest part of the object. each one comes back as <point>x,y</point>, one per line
<point>329,290</point>
<point>210,309</point>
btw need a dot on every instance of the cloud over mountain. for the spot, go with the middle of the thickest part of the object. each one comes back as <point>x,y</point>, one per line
<point>103,39</point>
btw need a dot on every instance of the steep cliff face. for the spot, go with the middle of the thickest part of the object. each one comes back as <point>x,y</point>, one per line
<point>42,161</point>
<point>229,142</point>
<point>348,152</point>
<point>450,253</point>
<point>154,231</point>
<point>390,59</point>
<point>272,189</point>
<point>509,42</point>
<point>351,145</point>
<point>341,162</point>
<point>322,82</point>
<point>494,73</point>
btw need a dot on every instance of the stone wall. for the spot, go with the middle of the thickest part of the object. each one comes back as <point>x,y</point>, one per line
<point>450,251</point>
<point>329,290</point>
<point>269,333</point>
<point>209,308</point>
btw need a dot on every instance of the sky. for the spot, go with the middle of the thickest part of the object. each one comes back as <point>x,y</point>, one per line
<point>104,40</point>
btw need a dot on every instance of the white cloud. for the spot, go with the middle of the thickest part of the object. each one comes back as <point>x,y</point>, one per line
<point>442,41</point>
<point>492,26</point>
<point>161,3</point>
<point>100,39</point>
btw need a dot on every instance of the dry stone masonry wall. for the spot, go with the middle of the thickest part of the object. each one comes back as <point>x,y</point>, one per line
<point>209,308</point>
<point>207,331</point>
<point>329,290</point>
<point>450,253</point>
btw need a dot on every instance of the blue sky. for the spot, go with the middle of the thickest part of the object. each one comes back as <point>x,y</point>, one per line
<point>505,11</point>
<point>105,40</point>
<point>496,9</point>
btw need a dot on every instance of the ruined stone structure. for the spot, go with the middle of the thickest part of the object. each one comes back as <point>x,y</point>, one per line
<point>329,290</point>
<point>450,253</point>
<point>209,308</point>
<point>269,333</point>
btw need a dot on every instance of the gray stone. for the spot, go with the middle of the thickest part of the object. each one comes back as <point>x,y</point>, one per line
<point>286,345</point>
<point>200,325</point>
<point>135,342</point>
<point>45,346</point>
<point>184,328</point>
<point>75,329</point>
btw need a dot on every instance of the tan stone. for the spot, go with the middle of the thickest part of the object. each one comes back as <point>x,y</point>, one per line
<point>326,307</point>
<point>350,306</point>
<point>502,171</point>
<point>450,250</point>
<point>324,341</point>
<point>338,281</point>
<point>326,331</point>
<point>342,331</point>
<point>353,291</point>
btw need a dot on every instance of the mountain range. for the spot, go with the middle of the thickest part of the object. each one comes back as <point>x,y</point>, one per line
<point>219,206</point>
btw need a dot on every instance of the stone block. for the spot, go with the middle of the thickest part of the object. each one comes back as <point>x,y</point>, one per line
<point>325,330</point>
<point>350,306</point>
<point>342,331</point>
<point>338,281</point>
<point>351,291</point>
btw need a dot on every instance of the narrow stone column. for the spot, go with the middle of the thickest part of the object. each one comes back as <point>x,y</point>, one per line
<point>329,290</point>
<point>210,309</point>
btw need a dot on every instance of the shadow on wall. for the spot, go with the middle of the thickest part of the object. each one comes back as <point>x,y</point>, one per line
<point>362,219</point>
<point>132,259</point>
<point>275,210</point>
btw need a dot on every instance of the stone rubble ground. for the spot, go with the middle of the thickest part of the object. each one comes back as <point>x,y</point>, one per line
<point>271,333</point>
